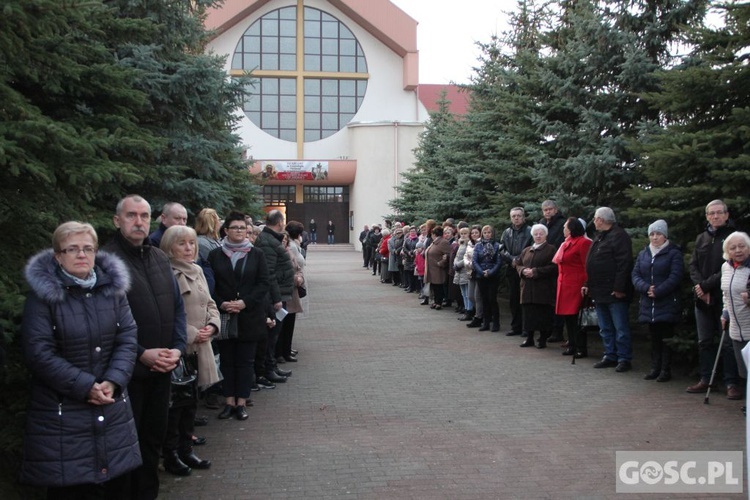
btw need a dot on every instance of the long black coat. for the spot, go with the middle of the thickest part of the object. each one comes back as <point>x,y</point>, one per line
<point>71,339</point>
<point>252,286</point>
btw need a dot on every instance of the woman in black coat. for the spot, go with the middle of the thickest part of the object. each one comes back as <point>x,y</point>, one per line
<point>79,342</point>
<point>657,276</point>
<point>241,288</point>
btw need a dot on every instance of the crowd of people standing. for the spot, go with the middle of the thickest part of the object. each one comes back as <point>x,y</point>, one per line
<point>555,274</point>
<point>122,341</point>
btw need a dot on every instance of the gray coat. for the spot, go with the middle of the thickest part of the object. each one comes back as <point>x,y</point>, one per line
<point>71,339</point>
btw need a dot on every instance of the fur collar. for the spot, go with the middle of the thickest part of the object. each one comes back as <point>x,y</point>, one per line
<point>51,286</point>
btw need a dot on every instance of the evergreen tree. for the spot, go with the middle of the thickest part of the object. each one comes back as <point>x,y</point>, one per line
<point>700,149</point>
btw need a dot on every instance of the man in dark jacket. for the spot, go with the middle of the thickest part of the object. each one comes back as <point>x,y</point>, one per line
<point>554,221</point>
<point>158,311</point>
<point>512,242</point>
<point>609,265</point>
<point>281,278</point>
<point>705,273</point>
<point>362,239</point>
<point>172,214</point>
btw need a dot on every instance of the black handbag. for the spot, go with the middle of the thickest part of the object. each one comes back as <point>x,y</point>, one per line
<point>229,326</point>
<point>302,291</point>
<point>184,382</point>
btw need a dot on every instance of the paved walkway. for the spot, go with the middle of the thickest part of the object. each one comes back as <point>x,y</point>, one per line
<point>390,399</point>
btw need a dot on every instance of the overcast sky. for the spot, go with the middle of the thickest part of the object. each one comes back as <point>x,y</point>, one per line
<point>447,32</point>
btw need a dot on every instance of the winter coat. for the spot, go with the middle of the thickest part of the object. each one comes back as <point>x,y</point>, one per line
<point>571,274</point>
<point>252,287</point>
<point>608,266</point>
<point>278,264</point>
<point>513,242</point>
<point>373,240</point>
<point>541,287</point>
<point>395,245</point>
<point>154,299</point>
<point>734,281</point>
<point>200,310</point>
<point>706,262</point>
<point>459,264</point>
<point>383,249</point>
<point>295,305</point>
<point>436,261</point>
<point>487,261</point>
<point>469,259</point>
<point>408,252</point>
<point>72,338</point>
<point>664,271</point>
<point>555,235</point>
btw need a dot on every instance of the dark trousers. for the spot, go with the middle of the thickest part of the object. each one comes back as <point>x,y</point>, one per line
<point>180,427</point>
<point>237,359</point>
<point>661,353</point>
<point>284,344</point>
<point>149,398</point>
<point>514,291</point>
<point>273,338</point>
<point>366,255</point>
<point>577,340</point>
<point>260,356</point>
<point>375,263</point>
<point>114,489</point>
<point>491,309</point>
<point>438,292</point>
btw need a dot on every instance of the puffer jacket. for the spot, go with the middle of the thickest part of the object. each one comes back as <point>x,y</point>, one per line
<point>487,260</point>
<point>279,265</point>
<point>664,271</point>
<point>71,339</point>
<point>734,281</point>
<point>463,273</point>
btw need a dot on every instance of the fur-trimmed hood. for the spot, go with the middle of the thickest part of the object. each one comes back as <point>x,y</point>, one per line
<point>43,274</point>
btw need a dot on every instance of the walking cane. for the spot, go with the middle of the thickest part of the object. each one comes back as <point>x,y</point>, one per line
<point>716,362</point>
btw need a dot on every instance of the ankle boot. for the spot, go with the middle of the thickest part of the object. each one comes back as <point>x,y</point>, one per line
<point>542,343</point>
<point>190,459</point>
<point>656,361</point>
<point>475,323</point>
<point>529,342</point>
<point>666,366</point>
<point>174,465</point>
<point>485,325</point>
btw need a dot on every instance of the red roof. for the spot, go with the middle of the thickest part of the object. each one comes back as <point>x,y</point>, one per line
<point>429,95</point>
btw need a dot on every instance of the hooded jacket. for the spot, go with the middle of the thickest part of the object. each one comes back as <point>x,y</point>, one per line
<point>72,338</point>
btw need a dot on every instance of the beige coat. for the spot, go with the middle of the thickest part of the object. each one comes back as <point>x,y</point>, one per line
<point>200,310</point>
<point>296,305</point>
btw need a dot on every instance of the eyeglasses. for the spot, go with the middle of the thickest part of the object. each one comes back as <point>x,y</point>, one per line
<point>715,212</point>
<point>237,228</point>
<point>77,250</point>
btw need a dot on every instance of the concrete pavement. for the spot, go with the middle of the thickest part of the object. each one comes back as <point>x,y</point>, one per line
<point>391,399</point>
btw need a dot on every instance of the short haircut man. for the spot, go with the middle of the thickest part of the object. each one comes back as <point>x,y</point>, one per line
<point>514,239</point>
<point>158,311</point>
<point>172,214</point>
<point>608,266</point>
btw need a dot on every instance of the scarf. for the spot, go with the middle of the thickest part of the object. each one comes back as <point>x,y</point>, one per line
<point>655,250</point>
<point>88,282</point>
<point>236,251</point>
<point>488,248</point>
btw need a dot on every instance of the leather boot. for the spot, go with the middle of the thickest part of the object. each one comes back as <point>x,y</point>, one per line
<point>174,465</point>
<point>529,342</point>
<point>485,325</point>
<point>190,459</point>
<point>655,366</point>
<point>475,323</point>
<point>542,343</point>
<point>495,325</point>
<point>666,365</point>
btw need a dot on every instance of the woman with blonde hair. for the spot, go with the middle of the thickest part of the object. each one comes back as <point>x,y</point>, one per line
<point>207,227</point>
<point>180,243</point>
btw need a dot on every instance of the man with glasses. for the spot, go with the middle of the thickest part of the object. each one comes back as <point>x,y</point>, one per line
<point>172,214</point>
<point>705,273</point>
<point>609,265</point>
<point>159,312</point>
<point>512,242</point>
